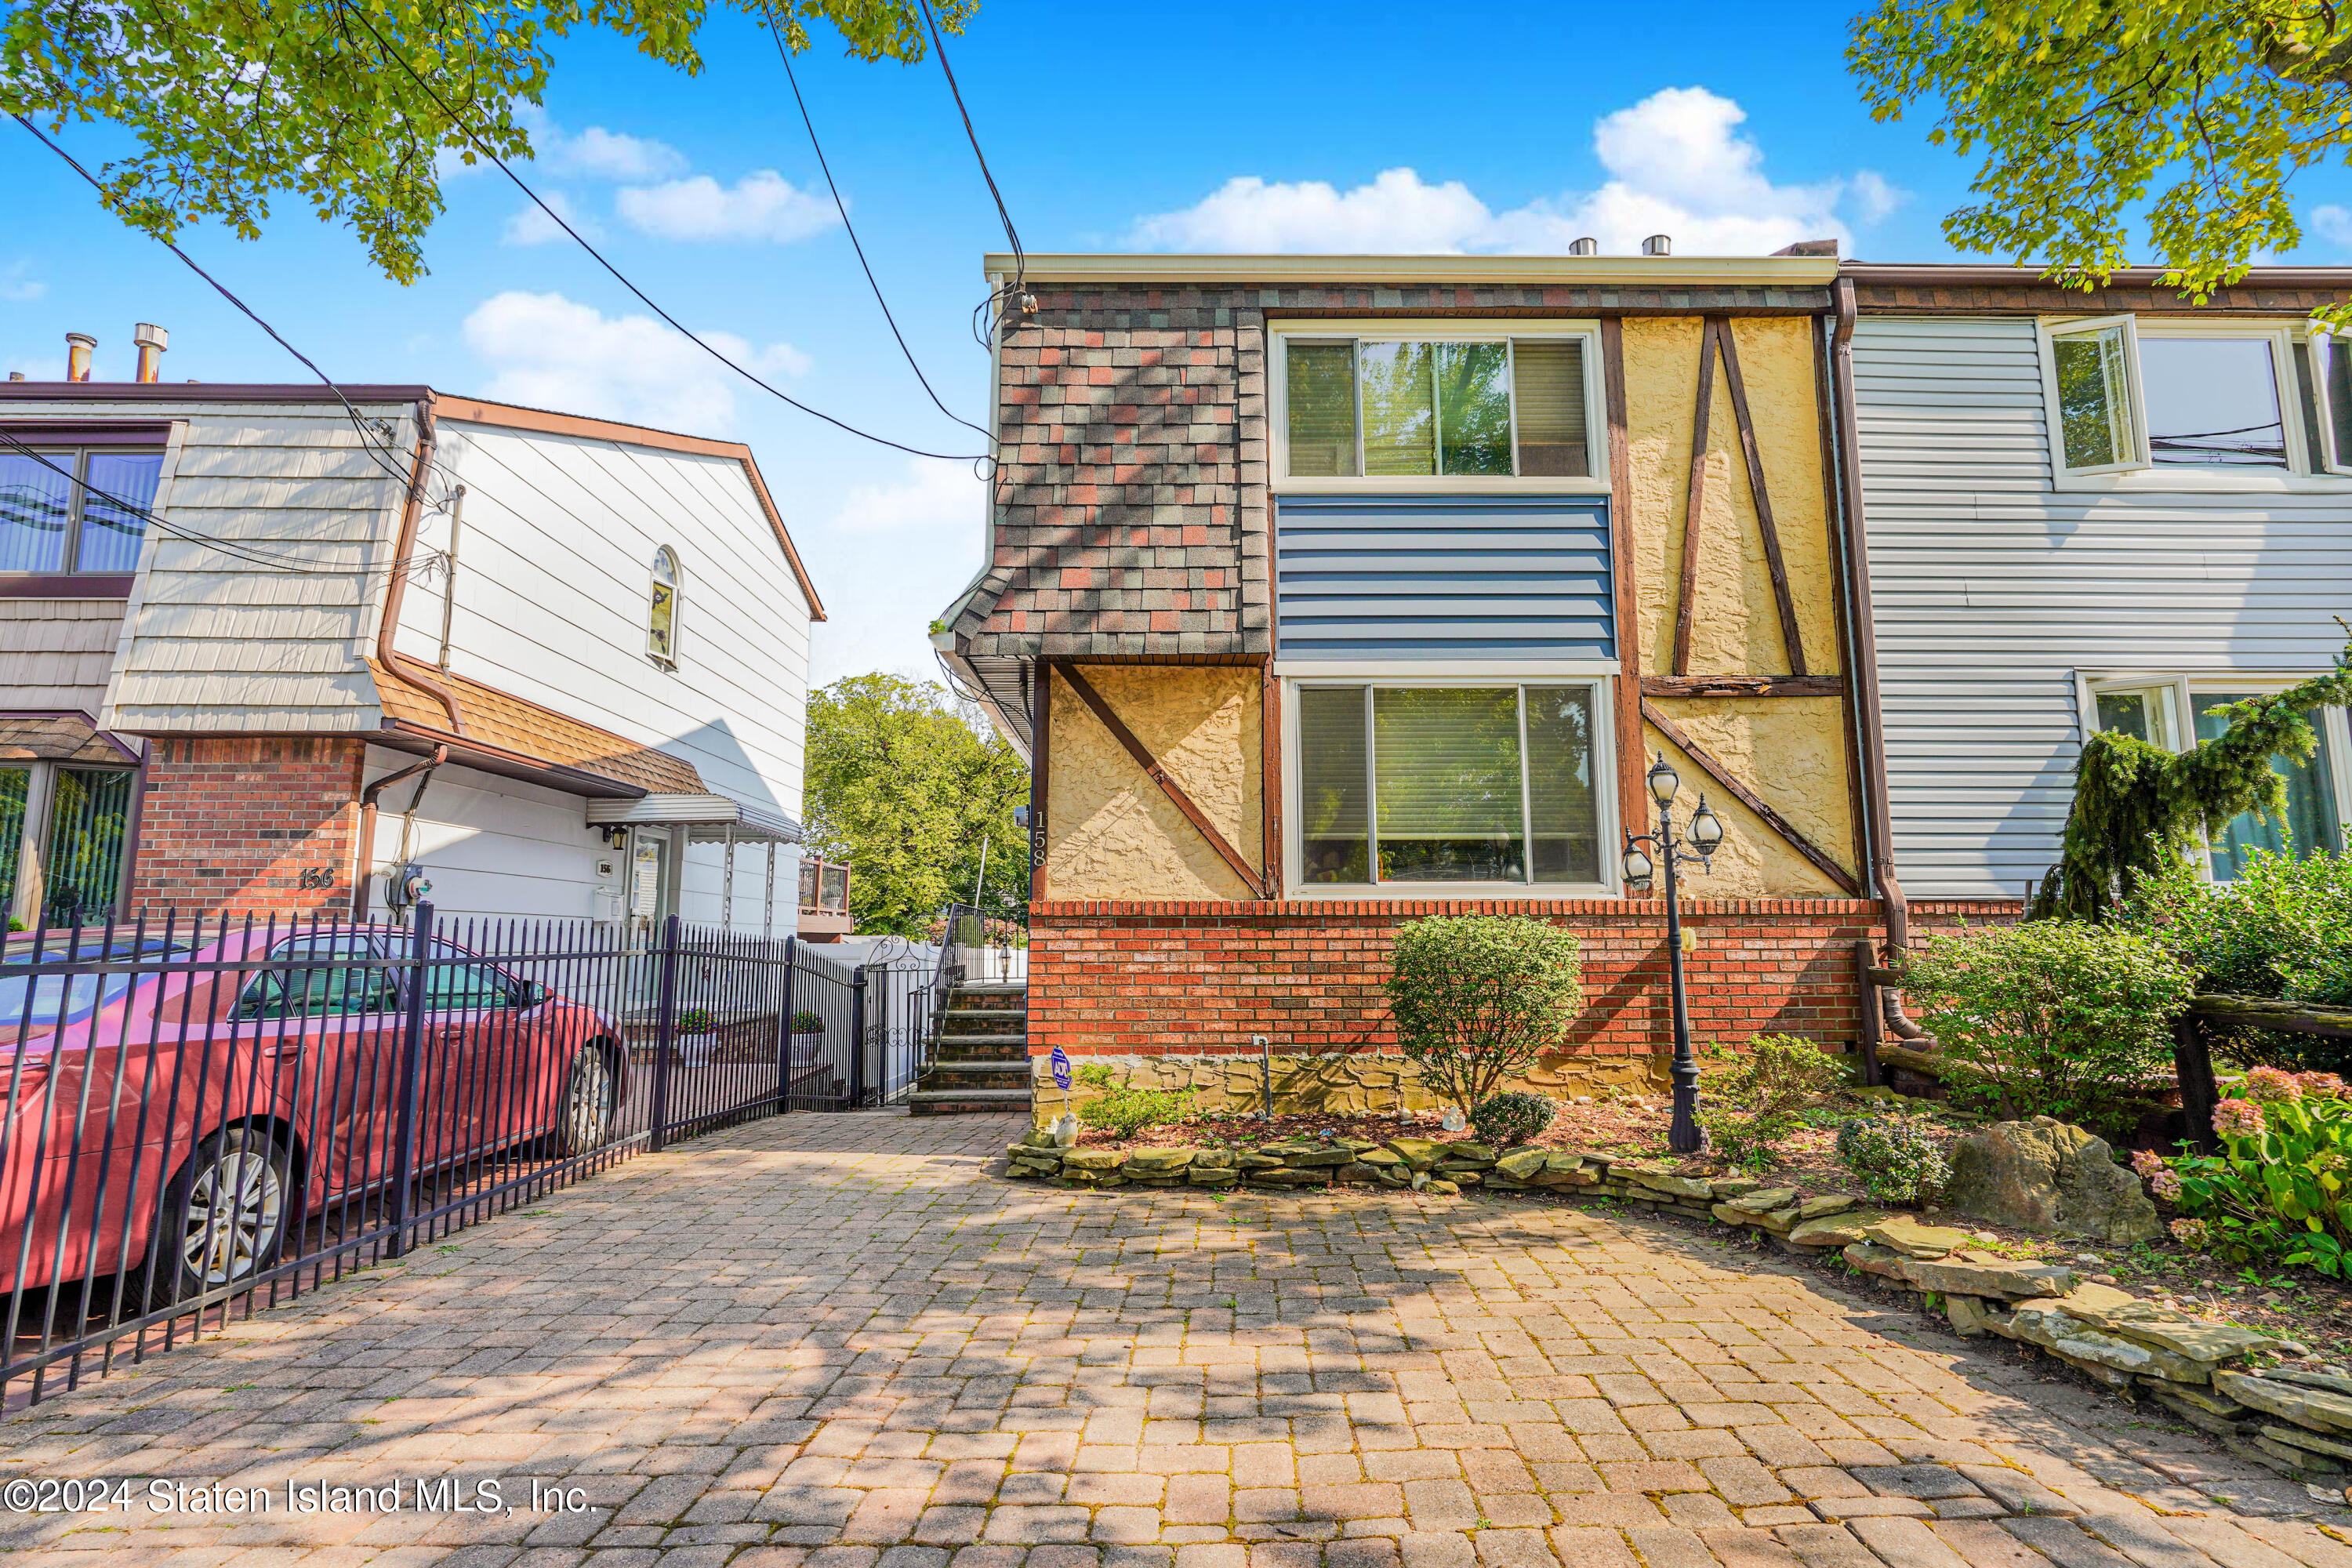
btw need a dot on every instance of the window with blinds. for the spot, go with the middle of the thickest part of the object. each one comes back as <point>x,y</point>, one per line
<point>1488,785</point>
<point>1404,408</point>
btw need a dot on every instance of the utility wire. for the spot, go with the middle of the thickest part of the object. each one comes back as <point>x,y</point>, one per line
<point>369,440</point>
<point>785,55</point>
<point>1015,290</point>
<point>622,277</point>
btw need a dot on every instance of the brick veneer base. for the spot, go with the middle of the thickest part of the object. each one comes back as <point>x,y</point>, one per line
<point>232,823</point>
<point>1135,977</point>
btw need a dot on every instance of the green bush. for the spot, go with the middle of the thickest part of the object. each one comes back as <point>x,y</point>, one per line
<point>807,1023</point>
<point>1512,1117</point>
<point>1749,1108</point>
<point>1477,998</point>
<point>2282,929</point>
<point>2278,1190</point>
<point>2049,1018</point>
<point>1894,1160</point>
<point>1124,1111</point>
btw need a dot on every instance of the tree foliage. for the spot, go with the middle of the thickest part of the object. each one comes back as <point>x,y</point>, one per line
<point>905,786</point>
<point>2191,115</point>
<point>351,105</point>
<point>1477,999</point>
<point>2137,807</point>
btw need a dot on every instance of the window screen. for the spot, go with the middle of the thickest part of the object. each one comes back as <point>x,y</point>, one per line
<point>1446,778</point>
<point>1322,408</point>
<point>1335,844</point>
<point>1399,408</point>
<point>1548,380</point>
<point>1406,409</point>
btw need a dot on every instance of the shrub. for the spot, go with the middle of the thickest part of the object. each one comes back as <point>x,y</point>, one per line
<point>1512,1117</point>
<point>807,1023</point>
<point>2282,929</point>
<point>1749,1108</point>
<point>1894,1160</point>
<point>2052,1017</point>
<point>1125,1111</point>
<point>1477,998</point>
<point>2277,1190</point>
<point>696,1021</point>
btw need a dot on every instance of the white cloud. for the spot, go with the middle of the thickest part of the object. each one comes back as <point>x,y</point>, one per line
<point>2333,225</point>
<point>529,224</point>
<point>18,289</point>
<point>1677,164</point>
<point>609,154</point>
<point>762,205</point>
<point>934,498</point>
<point>888,559</point>
<point>549,352</point>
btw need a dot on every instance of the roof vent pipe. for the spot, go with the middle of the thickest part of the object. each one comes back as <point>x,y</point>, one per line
<point>77,351</point>
<point>1586,247</point>
<point>153,341</point>
<point>1658,245</point>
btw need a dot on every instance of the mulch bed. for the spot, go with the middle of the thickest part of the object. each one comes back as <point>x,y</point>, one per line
<point>2294,1304</point>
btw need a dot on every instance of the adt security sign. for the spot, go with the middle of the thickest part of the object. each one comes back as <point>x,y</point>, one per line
<point>1061,1069</point>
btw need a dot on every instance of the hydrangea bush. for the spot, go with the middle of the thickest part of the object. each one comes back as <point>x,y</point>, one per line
<point>2279,1189</point>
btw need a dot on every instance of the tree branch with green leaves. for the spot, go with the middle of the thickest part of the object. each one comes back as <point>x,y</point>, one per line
<point>2089,114</point>
<point>2139,807</point>
<point>355,107</point>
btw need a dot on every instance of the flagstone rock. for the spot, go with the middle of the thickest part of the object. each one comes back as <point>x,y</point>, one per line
<point>1522,1165</point>
<point>1212,1159</point>
<point>1914,1238</point>
<point>1874,1260</point>
<point>1421,1153</point>
<point>1835,1230</point>
<point>1969,1278</point>
<point>1666,1182</point>
<point>1757,1201</point>
<point>1093,1159</point>
<point>1212,1176</point>
<point>1158,1162</point>
<point>2306,1406</point>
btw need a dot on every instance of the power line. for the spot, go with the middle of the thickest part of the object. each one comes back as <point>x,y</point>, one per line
<point>367,438</point>
<point>785,55</point>
<point>1016,290</point>
<point>622,279</point>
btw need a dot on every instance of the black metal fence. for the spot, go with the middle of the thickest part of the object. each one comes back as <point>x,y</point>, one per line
<point>201,1116</point>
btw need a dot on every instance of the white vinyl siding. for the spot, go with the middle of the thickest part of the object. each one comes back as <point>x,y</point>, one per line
<point>1993,591</point>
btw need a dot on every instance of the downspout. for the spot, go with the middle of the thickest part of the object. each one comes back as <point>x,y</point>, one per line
<point>396,589</point>
<point>1869,721</point>
<point>366,856</point>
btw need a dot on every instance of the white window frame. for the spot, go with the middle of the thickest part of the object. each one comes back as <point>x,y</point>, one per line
<point>676,603</point>
<point>2180,689</point>
<point>2307,471</point>
<point>1604,788</point>
<point>32,848</point>
<point>2328,459</point>
<point>1378,329</point>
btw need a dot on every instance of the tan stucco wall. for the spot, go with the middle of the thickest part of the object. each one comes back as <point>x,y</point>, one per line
<point>1791,752</point>
<point>1340,1082</point>
<point>1110,832</point>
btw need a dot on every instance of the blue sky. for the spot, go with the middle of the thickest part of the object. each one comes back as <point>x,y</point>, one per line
<point>1301,126</point>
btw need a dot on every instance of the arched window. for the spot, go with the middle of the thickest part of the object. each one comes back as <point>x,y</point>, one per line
<point>661,620</point>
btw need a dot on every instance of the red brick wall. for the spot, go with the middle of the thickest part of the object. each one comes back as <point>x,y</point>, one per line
<point>1135,977</point>
<point>231,824</point>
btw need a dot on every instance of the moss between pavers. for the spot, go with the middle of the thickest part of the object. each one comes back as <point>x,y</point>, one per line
<point>2298,1423</point>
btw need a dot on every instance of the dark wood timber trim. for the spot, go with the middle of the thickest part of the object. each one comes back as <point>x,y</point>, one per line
<point>1159,775</point>
<point>1630,793</point>
<point>1041,777</point>
<point>1270,775</point>
<point>1695,497</point>
<point>1753,802</point>
<point>1841,599</point>
<point>1743,686</point>
<point>1726,341</point>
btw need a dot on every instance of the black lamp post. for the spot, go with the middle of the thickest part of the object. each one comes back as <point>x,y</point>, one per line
<point>1696,847</point>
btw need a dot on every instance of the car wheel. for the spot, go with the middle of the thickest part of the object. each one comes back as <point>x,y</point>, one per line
<point>588,1095</point>
<point>223,1219</point>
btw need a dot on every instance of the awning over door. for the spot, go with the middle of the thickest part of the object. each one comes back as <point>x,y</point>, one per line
<point>706,819</point>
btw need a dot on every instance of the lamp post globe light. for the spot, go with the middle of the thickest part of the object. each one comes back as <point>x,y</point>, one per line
<point>1695,845</point>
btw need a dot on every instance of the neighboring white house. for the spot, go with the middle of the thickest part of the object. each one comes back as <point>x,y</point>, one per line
<point>592,687</point>
<point>2103,510</point>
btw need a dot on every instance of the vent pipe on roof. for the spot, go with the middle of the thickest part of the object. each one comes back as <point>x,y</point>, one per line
<point>1658,244</point>
<point>1586,247</point>
<point>153,341</point>
<point>16,376</point>
<point>77,351</point>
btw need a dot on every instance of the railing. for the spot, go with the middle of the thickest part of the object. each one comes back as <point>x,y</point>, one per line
<point>201,1116</point>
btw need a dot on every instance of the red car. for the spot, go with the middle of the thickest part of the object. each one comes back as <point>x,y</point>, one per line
<point>201,1111</point>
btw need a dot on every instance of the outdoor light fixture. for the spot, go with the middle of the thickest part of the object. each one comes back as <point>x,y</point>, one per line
<point>1697,846</point>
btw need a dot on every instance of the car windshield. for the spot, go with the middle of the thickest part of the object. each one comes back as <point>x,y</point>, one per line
<point>64,996</point>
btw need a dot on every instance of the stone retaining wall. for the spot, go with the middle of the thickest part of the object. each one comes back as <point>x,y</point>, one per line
<point>2294,1422</point>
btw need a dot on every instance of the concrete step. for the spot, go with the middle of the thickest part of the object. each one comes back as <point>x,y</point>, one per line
<point>1017,1067</point>
<point>949,1101</point>
<point>976,1039</point>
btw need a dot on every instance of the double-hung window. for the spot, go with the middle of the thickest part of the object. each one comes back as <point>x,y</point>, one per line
<point>2200,405</point>
<point>1435,407</point>
<point>1472,783</point>
<point>2178,711</point>
<point>68,509</point>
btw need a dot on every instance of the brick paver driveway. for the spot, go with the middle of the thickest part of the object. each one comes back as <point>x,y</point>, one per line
<point>840,1341</point>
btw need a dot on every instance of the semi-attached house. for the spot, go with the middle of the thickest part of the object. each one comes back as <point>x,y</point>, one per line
<point>263,646</point>
<point>2105,510</point>
<point>1328,592</point>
